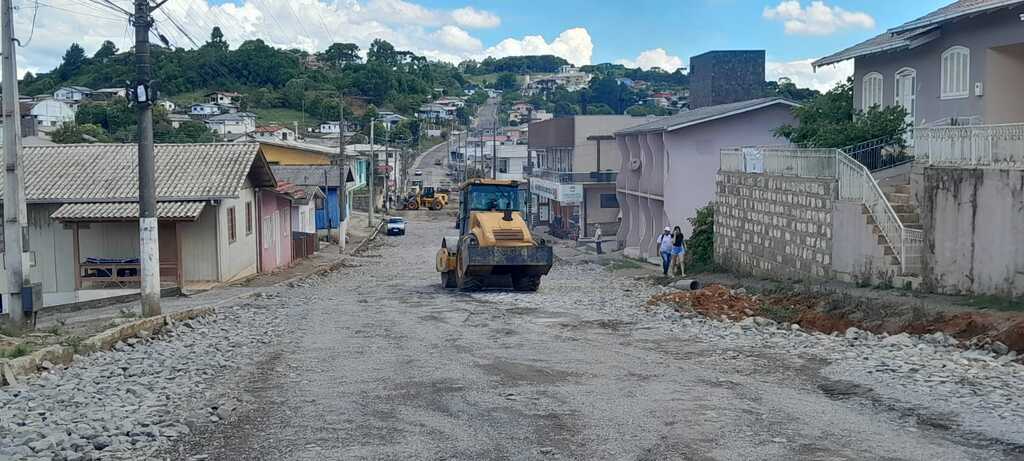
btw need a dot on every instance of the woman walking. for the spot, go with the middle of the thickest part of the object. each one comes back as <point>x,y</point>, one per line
<point>678,252</point>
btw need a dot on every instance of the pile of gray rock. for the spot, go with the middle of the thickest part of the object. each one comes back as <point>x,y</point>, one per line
<point>138,397</point>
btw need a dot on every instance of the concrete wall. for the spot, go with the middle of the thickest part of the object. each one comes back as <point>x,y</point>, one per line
<point>53,246</point>
<point>978,34</point>
<point>973,221</point>
<point>779,227</point>
<point>238,259</point>
<point>856,254</point>
<point>608,218</point>
<point>723,77</point>
<point>1003,79</point>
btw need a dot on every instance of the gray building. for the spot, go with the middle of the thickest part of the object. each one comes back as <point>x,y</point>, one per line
<point>959,65</point>
<point>723,77</point>
<point>572,179</point>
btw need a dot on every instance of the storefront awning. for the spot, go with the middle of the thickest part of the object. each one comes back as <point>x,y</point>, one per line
<point>126,211</point>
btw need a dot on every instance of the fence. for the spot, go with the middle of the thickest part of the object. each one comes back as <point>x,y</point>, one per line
<point>972,145</point>
<point>855,184</point>
<point>881,153</point>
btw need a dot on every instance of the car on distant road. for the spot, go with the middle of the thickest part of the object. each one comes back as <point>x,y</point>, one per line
<point>396,226</point>
<point>418,172</point>
<point>439,162</point>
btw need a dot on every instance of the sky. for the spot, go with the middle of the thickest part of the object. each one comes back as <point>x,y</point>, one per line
<point>644,33</point>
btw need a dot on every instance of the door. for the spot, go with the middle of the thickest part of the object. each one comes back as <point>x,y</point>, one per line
<point>278,244</point>
<point>906,96</point>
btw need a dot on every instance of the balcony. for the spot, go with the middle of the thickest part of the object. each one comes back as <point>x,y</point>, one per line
<point>1000,146</point>
<point>568,177</point>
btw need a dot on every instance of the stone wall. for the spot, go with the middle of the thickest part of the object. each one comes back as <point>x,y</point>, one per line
<point>772,226</point>
<point>723,77</point>
<point>973,221</point>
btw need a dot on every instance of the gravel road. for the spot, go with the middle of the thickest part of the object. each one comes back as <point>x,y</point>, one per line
<point>378,362</point>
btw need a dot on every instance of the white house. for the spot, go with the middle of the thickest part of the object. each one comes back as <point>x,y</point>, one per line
<point>390,119</point>
<point>223,98</point>
<point>53,113</point>
<point>511,160</point>
<point>205,109</point>
<point>330,127</point>
<point>279,133</point>
<point>237,123</point>
<point>177,119</point>
<point>167,105</point>
<point>72,93</point>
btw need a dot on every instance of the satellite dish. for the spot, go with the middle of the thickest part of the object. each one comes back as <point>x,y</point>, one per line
<point>635,164</point>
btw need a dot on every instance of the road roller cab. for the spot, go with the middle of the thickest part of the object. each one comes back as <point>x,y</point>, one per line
<point>494,241</point>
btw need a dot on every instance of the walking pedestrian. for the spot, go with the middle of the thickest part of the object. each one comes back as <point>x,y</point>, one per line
<point>665,248</point>
<point>678,251</point>
<point>597,238</point>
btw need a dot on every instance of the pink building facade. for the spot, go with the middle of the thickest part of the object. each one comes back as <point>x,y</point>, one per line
<point>275,213</point>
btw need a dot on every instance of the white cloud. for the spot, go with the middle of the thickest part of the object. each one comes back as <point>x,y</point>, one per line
<point>804,76</point>
<point>817,18</point>
<point>574,45</point>
<point>474,18</point>
<point>657,57</point>
<point>311,25</point>
<point>452,37</point>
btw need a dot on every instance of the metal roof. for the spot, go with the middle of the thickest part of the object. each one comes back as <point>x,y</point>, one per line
<point>311,175</point>
<point>83,173</point>
<point>704,114</point>
<point>913,32</point>
<point>127,211</point>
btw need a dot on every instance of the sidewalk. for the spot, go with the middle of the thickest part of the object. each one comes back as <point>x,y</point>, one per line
<point>89,321</point>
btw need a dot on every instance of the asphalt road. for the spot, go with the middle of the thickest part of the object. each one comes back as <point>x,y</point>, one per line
<point>381,363</point>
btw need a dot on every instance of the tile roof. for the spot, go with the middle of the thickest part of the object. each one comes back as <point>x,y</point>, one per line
<point>905,35</point>
<point>126,211</point>
<point>703,114</point>
<point>80,173</point>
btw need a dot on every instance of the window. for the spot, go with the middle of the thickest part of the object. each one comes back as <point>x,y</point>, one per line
<point>232,231</point>
<point>955,78</point>
<point>609,201</point>
<point>502,165</point>
<point>872,91</point>
<point>248,218</point>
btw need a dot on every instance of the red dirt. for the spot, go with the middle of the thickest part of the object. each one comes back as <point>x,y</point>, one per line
<point>715,301</point>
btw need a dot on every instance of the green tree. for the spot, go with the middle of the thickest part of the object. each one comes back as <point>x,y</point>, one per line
<point>107,50</point>
<point>194,132</point>
<point>830,120</point>
<point>647,110</point>
<point>73,59</point>
<point>506,82</point>
<point>340,54</point>
<point>382,52</point>
<point>79,134</point>
<point>217,39</point>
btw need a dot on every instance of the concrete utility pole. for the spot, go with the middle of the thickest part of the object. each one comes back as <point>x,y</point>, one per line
<point>494,147</point>
<point>149,247</point>
<point>371,174</point>
<point>342,185</point>
<point>15,231</point>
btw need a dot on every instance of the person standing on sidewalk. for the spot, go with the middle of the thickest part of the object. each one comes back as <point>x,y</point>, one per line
<point>597,238</point>
<point>678,252</point>
<point>665,248</point>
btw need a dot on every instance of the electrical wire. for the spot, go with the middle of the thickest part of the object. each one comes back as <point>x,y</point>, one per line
<point>31,33</point>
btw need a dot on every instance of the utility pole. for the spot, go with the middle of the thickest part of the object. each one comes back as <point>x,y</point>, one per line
<point>149,248</point>
<point>371,173</point>
<point>342,183</point>
<point>387,174</point>
<point>494,148</point>
<point>15,231</point>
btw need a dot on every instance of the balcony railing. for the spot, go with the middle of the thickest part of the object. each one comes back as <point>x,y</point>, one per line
<point>568,177</point>
<point>972,145</point>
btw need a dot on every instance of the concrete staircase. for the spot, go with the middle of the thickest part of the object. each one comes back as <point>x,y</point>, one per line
<point>899,197</point>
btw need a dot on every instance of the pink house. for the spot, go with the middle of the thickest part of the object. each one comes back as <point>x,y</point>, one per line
<point>275,214</point>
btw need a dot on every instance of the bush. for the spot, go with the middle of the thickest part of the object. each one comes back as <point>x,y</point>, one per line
<point>700,248</point>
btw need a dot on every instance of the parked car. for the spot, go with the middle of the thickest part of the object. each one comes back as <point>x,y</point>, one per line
<point>439,162</point>
<point>418,172</point>
<point>396,226</point>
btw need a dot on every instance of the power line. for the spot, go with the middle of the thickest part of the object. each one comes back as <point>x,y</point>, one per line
<point>32,32</point>
<point>79,13</point>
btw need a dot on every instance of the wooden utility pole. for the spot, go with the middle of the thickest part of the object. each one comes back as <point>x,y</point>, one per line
<point>144,96</point>
<point>342,184</point>
<point>15,230</point>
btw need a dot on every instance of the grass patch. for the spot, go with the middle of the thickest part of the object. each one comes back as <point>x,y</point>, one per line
<point>780,314</point>
<point>19,350</point>
<point>285,117</point>
<point>623,264</point>
<point>996,303</point>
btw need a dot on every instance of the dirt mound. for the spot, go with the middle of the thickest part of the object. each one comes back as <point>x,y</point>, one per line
<point>829,313</point>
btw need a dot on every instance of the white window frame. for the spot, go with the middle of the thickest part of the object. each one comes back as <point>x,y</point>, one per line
<point>869,98</point>
<point>954,79</point>
<point>906,72</point>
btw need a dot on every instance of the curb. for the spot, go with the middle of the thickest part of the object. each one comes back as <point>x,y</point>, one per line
<point>12,369</point>
<point>63,355</point>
